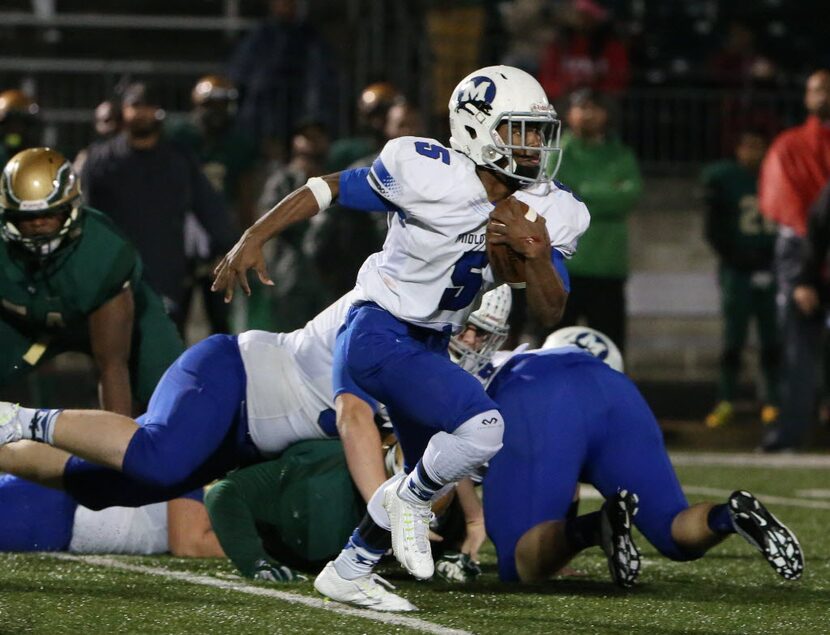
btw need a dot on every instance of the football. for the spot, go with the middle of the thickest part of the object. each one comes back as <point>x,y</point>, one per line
<point>507,264</point>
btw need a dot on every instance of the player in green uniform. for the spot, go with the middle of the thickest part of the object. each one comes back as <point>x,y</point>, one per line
<point>69,281</point>
<point>228,158</point>
<point>297,512</point>
<point>744,241</point>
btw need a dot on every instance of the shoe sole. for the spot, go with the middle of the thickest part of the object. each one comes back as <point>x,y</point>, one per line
<point>397,539</point>
<point>761,529</point>
<point>617,542</point>
<point>321,585</point>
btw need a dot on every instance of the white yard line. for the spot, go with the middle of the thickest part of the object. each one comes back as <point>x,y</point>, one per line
<point>293,598</point>
<point>589,492</point>
<point>764,498</point>
<point>747,459</point>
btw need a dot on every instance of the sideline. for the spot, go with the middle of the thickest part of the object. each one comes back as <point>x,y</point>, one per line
<point>293,598</point>
<point>749,459</point>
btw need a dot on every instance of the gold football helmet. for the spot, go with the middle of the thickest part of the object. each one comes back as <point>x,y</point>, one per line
<point>377,98</point>
<point>213,87</point>
<point>39,183</point>
<point>15,101</point>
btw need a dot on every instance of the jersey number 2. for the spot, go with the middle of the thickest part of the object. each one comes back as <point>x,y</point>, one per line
<point>466,281</point>
<point>432,151</point>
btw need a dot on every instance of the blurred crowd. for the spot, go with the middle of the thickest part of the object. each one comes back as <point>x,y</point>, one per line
<point>182,188</point>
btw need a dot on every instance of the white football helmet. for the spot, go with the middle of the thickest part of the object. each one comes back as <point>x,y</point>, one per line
<point>492,96</point>
<point>492,327</point>
<point>596,343</point>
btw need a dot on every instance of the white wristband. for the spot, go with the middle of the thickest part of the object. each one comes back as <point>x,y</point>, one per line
<point>321,191</point>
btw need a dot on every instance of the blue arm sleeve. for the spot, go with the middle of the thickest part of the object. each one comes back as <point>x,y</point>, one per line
<point>356,193</point>
<point>558,261</point>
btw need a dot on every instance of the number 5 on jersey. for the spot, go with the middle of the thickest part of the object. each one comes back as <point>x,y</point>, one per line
<point>466,281</point>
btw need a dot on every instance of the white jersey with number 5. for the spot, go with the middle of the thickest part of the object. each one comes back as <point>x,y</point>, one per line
<point>433,267</point>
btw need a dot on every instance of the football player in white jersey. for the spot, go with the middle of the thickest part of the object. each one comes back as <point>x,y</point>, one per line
<point>425,282</point>
<point>225,402</point>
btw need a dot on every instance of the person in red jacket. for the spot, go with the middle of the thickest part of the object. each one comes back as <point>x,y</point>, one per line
<point>793,173</point>
<point>586,54</point>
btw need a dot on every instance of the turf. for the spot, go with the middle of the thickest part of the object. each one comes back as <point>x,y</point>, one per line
<point>732,590</point>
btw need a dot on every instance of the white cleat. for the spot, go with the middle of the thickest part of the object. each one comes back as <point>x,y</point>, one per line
<point>368,591</point>
<point>410,533</point>
<point>11,429</point>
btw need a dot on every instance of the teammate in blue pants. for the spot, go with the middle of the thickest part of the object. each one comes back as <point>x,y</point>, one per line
<point>571,418</point>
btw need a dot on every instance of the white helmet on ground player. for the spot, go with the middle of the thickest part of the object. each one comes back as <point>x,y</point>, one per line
<point>496,95</point>
<point>596,343</point>
<point>490,323</point>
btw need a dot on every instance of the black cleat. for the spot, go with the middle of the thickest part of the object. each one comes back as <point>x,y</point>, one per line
<point>755,524</point>
<point>616,540</point>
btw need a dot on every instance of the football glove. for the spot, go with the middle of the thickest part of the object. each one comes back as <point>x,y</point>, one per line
<point>275,572</point>
<point>457,567</point>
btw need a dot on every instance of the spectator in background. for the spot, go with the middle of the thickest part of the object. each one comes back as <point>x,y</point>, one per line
<point>586,52</point>
<point>19,123</point>
<point>530,28</point>
<point>793,173</point>
<point>339,241</point>
<point>228,158</point>
<point>107,123</point>
<point>811,296</point>
<point>604,173</point>
<point>372,105</point>
<point>146,185</point>
<point>744,242</point>
<point>737,63</point>
<point>297,295</point>
<point>284,76</point>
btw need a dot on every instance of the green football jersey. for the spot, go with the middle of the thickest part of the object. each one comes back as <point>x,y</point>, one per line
<point>223,161</point>
<point>58,295</point>
<point>741,235</point>
<point>45,306</point>
<point>298,509</point>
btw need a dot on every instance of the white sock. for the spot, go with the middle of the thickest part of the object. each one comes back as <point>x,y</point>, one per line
<point>356,559</point>
<point>38,424</point>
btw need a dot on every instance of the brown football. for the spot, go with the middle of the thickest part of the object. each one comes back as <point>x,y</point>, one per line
<point>507,264</point>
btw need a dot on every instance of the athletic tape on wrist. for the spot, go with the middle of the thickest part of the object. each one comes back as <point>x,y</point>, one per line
<point>321,191</point>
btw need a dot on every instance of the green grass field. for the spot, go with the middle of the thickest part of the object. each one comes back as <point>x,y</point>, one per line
<point>733,590</point>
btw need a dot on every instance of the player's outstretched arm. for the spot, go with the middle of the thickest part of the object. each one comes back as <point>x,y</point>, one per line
<point>246,254</point>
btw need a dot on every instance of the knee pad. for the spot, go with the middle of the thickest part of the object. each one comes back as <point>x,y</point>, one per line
<point>450,457</point>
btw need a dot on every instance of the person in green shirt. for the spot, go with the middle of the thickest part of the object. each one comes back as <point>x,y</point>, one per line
<point>70,281</point>
<point>744,241</point>
<point>372,105</point>
<point>229,159</point>
<point>603,172</point>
